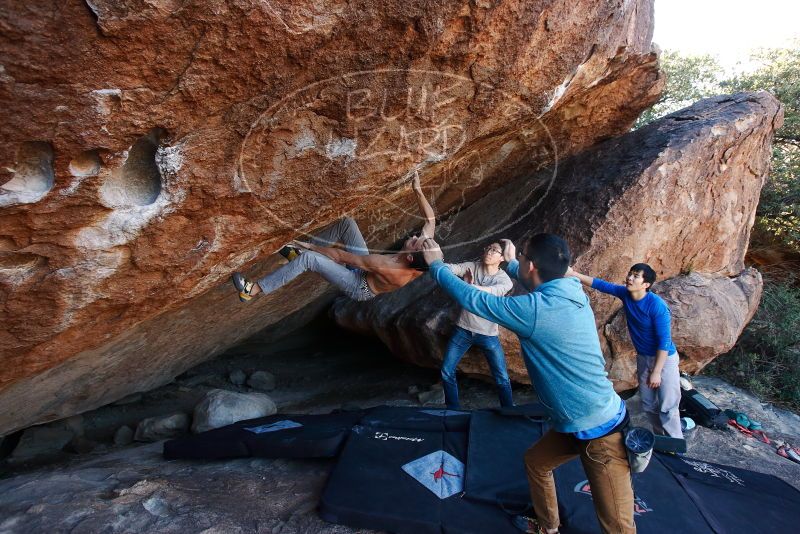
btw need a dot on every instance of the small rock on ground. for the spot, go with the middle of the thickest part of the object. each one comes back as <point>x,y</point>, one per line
<point>221,407</point>
<point>164,427</point>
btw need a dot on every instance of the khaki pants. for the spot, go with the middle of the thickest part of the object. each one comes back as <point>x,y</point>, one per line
<point>605,461</point>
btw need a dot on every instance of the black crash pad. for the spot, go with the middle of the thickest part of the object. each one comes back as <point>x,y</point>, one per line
<point>417,418</point>
<point>406,481</point>
<point>276,436</point>
<point>674,494</point>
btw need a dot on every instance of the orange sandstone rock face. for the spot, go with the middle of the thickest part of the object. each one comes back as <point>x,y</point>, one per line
<point>679,194</point>
<point>150,148</point>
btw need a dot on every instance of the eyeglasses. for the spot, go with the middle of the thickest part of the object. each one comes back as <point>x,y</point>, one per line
<point>493,250</point>
<point>521,254</point>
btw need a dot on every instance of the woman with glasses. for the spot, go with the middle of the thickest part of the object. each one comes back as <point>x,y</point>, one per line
<point>485,275</point>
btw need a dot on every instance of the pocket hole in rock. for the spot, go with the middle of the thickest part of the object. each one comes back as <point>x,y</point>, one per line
<point>138,181</point>
<point>32,175</point>
<point>86,164</point>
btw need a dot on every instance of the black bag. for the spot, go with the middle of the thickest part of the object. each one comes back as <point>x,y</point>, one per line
<point>695,405</point>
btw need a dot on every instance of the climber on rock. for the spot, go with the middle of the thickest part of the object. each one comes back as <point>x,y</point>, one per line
<point>356,272</point>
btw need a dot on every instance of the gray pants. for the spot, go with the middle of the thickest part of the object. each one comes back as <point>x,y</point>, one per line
<point>351,282</point>
<point>661,404</point>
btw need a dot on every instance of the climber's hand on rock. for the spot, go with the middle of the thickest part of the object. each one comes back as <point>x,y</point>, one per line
<point>431,251</point>
<point>303,244</point>
<point>509,250</point>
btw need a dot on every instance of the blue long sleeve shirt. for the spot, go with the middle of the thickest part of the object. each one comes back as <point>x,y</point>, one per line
<point>648,319</point>
<point>559,342</point>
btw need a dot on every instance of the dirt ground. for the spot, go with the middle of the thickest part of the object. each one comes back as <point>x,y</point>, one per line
<point>133,489</point>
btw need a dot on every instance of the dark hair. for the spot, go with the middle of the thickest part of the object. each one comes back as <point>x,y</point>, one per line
<point>648,273</point>
<point>418,262</point>
<point>550,254</point>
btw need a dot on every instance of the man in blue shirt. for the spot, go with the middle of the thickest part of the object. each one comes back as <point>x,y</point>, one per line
<point>561,350</point>
<point>648,319</point>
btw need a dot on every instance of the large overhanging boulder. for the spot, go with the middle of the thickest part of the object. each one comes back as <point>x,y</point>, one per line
<point>150,148</point>
<point>679,194</point>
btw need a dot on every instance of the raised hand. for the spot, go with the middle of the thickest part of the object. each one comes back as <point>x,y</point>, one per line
<point>468,277</point>
<point>431,251</point>
<point>415,185</point>
<point>509,250</point>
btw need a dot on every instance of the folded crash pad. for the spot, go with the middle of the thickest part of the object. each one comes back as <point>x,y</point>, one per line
<point>276,436</point>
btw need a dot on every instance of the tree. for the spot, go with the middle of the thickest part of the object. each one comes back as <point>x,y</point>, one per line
<point>779,207</point>
<point>689,79</point>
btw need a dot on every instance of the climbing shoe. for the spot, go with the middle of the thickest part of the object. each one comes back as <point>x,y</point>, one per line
<point>289,252</point>
<point>243,286</point>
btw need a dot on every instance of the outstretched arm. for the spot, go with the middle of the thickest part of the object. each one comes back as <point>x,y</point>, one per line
<point>502,286</point>
<point>425,208</point>
<point>585,280</point>
<point>598,284</point>
<point>518,314</point>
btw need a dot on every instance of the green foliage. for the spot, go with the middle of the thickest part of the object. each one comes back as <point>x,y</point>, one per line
<point>766,360</point>
<point>778,212</point>
<point>779,73</point>
<point>779,207</point>
<point>689,79</point>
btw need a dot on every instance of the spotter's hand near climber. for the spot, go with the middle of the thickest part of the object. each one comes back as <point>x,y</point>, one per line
<point>349,266</point>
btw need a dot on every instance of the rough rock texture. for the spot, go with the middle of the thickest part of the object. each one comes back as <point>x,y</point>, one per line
<point>708,314</point>
<point>150,148</point>
<point>679,194</point>
<point>134,490</point>
<point>162,427</point>
<point>237,377</point>
<point>221,407</point>
<point>41,440</point>
<point>262,381</point>
<point>123,436</point>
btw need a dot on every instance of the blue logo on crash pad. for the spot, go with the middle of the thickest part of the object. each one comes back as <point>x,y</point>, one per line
<point>438,471</point>
<point>442,413</point>
<point>273,427</point>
